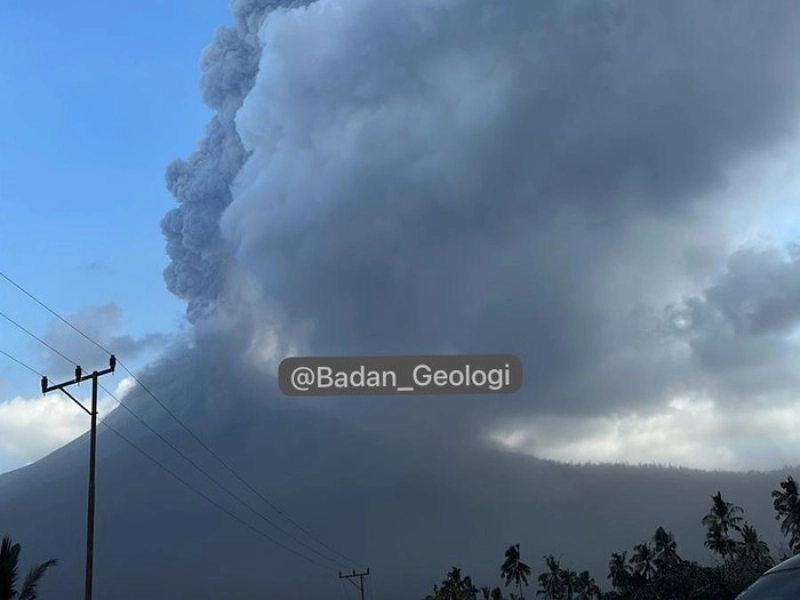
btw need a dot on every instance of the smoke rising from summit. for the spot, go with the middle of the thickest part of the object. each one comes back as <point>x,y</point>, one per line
<point>201,185</point>
<point>548,179</point>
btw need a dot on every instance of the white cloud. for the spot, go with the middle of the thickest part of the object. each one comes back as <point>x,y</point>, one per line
<point>689,431</point>
<point>31,428</point>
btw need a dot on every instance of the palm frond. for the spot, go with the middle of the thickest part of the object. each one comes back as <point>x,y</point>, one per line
<point>9,560</point>
<point>32,580</point>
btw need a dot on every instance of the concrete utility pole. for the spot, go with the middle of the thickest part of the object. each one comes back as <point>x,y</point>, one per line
<point>80,376</point>
<point>360,577</point>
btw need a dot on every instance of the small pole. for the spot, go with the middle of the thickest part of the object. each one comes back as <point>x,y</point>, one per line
<point>90,512</point>
<point>46,387</point>
<point>360,578</point>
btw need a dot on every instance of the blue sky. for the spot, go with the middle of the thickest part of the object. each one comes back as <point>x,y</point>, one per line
<point>97,98</point>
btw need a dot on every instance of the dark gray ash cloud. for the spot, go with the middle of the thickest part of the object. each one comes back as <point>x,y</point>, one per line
<point>537,178</point>
<point>200,184</point>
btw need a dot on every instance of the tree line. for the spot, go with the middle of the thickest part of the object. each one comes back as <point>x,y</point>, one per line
<point>654,569</point>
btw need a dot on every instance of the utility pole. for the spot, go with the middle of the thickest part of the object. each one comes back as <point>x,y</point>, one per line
<point>81,376</point>
<point>360,577</point>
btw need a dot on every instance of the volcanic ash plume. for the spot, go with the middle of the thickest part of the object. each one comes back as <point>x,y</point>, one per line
<point>460,175</point>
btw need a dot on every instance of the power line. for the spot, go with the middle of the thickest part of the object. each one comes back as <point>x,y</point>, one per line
<point>218,484</point>
<point>174,475</point>
<point>22,364</point>
<point>169,412</point>
<point>231,470</point>
<point>51,311</point>
<point>213,502</point>
<point>28,367</point>
<point>90,504</point>
<point>166,442</point>
<point>37,338</point>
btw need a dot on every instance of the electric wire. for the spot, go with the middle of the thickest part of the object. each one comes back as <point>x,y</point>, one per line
<point>165,408</point>
<point>230,469</point>
<point>20,363</point>
<point>177,477</point>
<point>213,502</point>
<point>51,311</point>
<point>213,480</point>
<point>36,337</point>
<point>162,438</point>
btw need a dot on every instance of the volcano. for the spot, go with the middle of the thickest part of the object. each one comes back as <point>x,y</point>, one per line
<point>408,512</point>
<point>566,182</point>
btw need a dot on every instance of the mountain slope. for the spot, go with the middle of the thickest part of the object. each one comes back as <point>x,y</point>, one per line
<point>403,510</point>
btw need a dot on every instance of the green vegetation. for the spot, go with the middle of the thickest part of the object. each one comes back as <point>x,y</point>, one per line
<point>654,570</point>
<point>9,574</point>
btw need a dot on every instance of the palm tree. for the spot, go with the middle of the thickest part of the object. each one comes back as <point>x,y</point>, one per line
<point>551,582</point>
<point>717,541</point>
<point>754,549</point>
<point>457,588</point>
<point>728,515</point>
<point>643,561</point>
<point>570,582</point>
<point>619,573</point>
<point>720,521</point>
<point>491,594</point>
<point>9,568</point>
<point>470,589</point>
<point>787,505</point>
<point>665,546</point>
<point>514,569</point>
<point>449,588</point>
<point>586,588</point>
